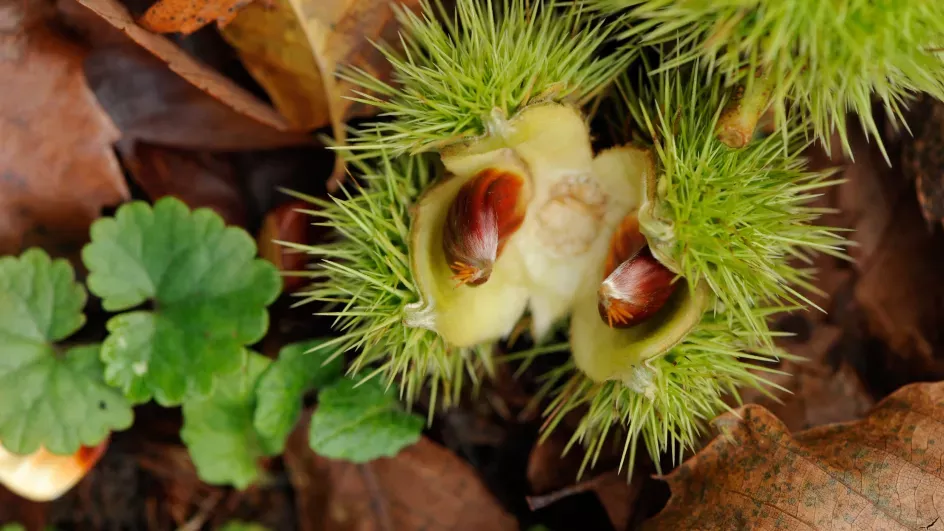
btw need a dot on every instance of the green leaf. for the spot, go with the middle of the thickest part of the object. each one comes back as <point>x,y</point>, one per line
<point>237,525</point>
<point>218,429</point>
<point>208,292</point>
<point>360,421</point>
<point>281,388</point>
<point>54,399</point>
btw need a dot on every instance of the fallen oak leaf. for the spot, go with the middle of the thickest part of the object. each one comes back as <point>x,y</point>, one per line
<point>187,16</point>
<point>151,103</point>
<point>552,472</point>
<point>821,390</point>
<point>187,67</point>
<point>53,137</point>
<point>615,494</point>
<point>878,473</point>
<point>425,487</point>
<point>273,46</point>
<point>906,314</point>
<point>198,179</point>
<point>923,160</point>
<point>294,47</point>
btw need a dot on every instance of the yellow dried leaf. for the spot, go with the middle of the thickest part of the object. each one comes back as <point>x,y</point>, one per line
<point>294,47</point>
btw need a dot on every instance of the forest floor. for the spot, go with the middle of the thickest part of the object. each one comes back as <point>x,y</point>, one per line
<point>145,128</point>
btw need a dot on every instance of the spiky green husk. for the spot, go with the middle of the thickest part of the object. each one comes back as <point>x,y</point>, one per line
<point>364,277</point>
<point>827,57</point>
<point>738,219</point>
<point>670,404</point>
<point>494,56</point>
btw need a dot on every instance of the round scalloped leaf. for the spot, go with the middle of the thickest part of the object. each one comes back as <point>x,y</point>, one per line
<point>219,432</point>
<point>52,399</point>
<point>361,421</point>
<point>281,388</point>
<point>208,292</point>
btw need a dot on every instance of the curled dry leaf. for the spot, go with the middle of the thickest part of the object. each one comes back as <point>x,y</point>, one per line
<point>425,487</point>
<point>821,390</point>
<point>187,16</point>
<point>197,179</point>
<point>294,47</point>
<point>923,160</point>
<point>286,223</point>
<point>616,495</point>
<point>900,287</point>
<point>187,67</point>
<point>53,137</point>
<point>883,472</point>
<point>150,103</point>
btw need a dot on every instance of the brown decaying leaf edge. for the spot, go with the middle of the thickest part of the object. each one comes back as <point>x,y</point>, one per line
<point>57,166</point>
<point>884,472</point>
<point>187,67</point>
<point>425,487</point>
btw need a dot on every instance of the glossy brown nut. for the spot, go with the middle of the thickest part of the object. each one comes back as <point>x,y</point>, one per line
<point>635,291</point>
<point>485,213</point>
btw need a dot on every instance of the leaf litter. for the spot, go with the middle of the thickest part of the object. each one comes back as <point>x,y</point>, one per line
<point>176,122</point>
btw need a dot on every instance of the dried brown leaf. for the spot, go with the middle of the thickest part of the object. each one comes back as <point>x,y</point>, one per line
<point>884,472</point>
<point>187,16</point>
<point>152,104</point>
<point>616,495</point>
<point>294,48</point>
<point>923,159</point>
<point>821,390</point>
<point>287,223</point>
<point>57,165</point>
<point>197,179</point>
<point>425,487</point>
<point>187,67</point>
<point>900,287</point>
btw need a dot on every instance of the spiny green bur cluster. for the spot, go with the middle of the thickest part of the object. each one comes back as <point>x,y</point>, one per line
<point>819,59</point>
<point>191,298</point>
<point>503,91</point>
<point>457,69</point>
<point>735,220</point>
<point>364,278</point>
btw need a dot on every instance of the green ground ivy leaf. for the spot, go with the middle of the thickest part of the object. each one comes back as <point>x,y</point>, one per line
<point>280,390</point>
<point>361,422</point>
<point>237,525</point>
<point>51,398</point>
<point>208,293</point>
<point>218,428</point>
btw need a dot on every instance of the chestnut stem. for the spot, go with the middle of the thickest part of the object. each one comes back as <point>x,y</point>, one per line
<point>740,116</point>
